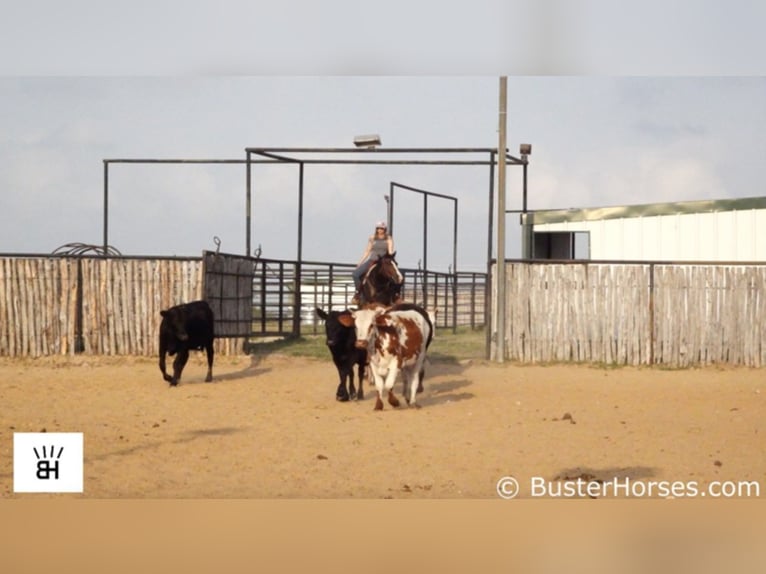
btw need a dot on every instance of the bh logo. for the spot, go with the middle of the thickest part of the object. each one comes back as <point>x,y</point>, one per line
<point>47,462</point>
<point>44,468</point>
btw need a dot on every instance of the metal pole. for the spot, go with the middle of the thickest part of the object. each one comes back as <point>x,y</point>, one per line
<point>299,263</point>
<point>488,311</point>
<point>526,227</point>
<point>392,187</point>
<point>500,276</point>
<point>248,188</point>
<point>300,213</point>
<point>425,250</point>
<point>106,206</point>
<point>454,270</point>
<point>524,192</point>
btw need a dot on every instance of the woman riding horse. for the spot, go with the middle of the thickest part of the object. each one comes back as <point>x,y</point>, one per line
<point>379,245</point>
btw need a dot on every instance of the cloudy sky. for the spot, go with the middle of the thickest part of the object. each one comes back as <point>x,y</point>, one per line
<point>599,136</point>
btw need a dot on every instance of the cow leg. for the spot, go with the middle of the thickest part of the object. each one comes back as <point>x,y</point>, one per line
<point>390,380</point>
<point>379,385</point>
<point>415,387</point>
<point>178,365</point>
<point>351,387</point>
<point>360,372</point>
<point>341,394</point>
<point>210,353</point>
<point>406,385</point>
<point>165,375</point>
<point>163,351</point>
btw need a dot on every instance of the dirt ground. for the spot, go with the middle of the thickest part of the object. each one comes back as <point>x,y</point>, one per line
<point>269,427</point>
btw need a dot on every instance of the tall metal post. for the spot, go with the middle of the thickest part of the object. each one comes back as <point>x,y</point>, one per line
<point>500,266</point>
<point>391,188</point>
<point>526,226</point>
<point>299,262</point>
<point>454,269</point>
<point>488,309</point>
<point>425,251</point>
<point>248,191</point>
<point>106,206</point>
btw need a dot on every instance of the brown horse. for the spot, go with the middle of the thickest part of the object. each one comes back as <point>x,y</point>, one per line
<point>381,282</point>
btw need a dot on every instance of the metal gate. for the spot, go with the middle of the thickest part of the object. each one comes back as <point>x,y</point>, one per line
<point>228,288</point>
<point>255,297</point>
<point>251,297</point>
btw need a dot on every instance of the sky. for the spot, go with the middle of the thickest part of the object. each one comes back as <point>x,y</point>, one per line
<point>604,130</point>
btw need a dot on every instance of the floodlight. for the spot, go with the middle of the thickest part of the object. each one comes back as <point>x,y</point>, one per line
<point>525,149</point>
<point>371,140</point>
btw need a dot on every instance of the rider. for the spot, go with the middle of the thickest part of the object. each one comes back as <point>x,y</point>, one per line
<point>378,245</point>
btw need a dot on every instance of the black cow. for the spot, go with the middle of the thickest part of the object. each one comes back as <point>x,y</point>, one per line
<point>186,327</point>
<point>341,339</point>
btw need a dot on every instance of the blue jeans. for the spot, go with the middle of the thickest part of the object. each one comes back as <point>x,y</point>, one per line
<point>359,272</point>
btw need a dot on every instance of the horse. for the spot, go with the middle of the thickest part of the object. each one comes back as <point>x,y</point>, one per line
<point>381,283</point>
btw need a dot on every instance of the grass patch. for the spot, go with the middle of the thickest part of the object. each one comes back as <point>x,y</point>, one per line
<point>311,346</point>
<point>447,346</point>
<point>464,344</point>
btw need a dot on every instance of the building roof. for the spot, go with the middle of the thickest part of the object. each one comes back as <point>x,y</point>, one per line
<point>646,210</point>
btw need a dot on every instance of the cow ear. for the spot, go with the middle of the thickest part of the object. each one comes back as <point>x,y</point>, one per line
<point>346,320</point>
<point>164,313</point>
<point>321,313</point>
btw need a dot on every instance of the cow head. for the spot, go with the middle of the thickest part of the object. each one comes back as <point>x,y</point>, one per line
<point>336,324</point>
<point>366,322</point>
<point>175,322</point>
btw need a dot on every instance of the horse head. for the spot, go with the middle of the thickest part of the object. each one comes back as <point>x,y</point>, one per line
<point>387,266</point>
<point>382,281</point>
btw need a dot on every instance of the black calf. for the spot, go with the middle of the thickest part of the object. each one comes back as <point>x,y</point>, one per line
<point>341,336</point>
<point>186,327</point>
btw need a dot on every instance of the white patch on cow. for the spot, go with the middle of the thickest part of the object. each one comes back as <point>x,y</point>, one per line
<point>364,323</point>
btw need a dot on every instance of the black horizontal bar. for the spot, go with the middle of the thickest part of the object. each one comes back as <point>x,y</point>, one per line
<point>371,150</point>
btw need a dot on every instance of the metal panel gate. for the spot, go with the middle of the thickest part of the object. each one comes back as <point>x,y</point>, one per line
<point>251,297</point>
<point>228,288</point>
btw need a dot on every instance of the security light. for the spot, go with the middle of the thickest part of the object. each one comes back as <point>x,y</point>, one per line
<point>371,140</point>
<point>525,149</point>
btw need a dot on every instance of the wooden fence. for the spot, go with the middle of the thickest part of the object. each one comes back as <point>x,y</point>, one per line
<point>632,314</point>
<point>121,303</point>
<point>636,314</point>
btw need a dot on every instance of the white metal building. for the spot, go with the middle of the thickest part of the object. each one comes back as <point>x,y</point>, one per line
<point>711,230</point>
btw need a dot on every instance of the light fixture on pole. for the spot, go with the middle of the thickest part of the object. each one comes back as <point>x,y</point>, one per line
<point>367,141</point>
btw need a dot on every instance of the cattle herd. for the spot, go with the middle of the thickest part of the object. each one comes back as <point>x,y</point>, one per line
<point>389,340</point>
<point>384,340</point>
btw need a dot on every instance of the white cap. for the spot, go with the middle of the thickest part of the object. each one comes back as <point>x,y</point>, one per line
<point>381,224</point>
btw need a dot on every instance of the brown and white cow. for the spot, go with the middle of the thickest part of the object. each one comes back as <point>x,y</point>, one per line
<point>396,340</point>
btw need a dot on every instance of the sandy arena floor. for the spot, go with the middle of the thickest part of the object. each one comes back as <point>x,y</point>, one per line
<point>270,427</point>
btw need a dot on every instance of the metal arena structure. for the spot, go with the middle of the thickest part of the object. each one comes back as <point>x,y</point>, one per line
<point>301,157</point>
<point>344,156</point>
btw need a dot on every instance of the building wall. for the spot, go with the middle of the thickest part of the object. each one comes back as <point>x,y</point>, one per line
<point>714,236</point>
